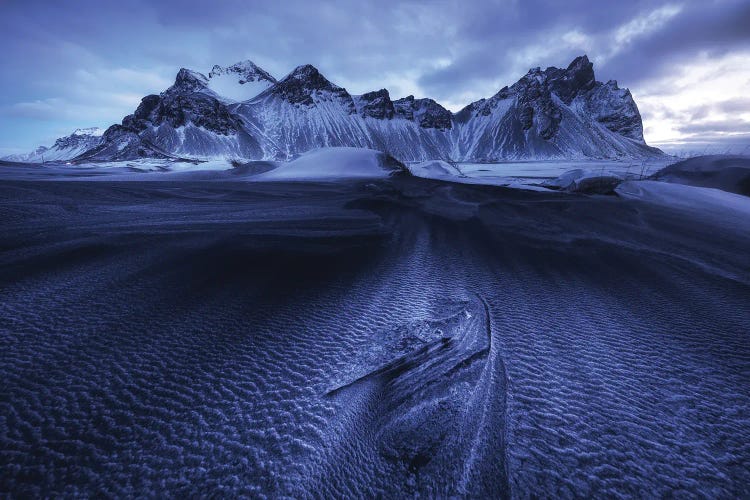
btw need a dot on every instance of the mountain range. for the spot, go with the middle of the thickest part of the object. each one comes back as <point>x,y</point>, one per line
<point>241,111</point>
<point>64,148</point>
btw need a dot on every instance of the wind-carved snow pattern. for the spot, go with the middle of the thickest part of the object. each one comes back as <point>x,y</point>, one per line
<point>234,338</point>
<point>433,418</point>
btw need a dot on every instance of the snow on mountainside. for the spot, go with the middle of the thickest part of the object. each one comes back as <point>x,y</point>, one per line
<point>239,82</point>
<point>64,148</point>
<point>186,120</point>
<point>548,114</point>
<point>555,113</point>
<point>716,207</point>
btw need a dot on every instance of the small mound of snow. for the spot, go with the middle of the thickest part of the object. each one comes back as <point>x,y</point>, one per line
<point>565,180</point>
<point>585,181</point>
<point>728,173</point>
<point>332,164</point>
<point>719,206</point>
<point>434,169</point>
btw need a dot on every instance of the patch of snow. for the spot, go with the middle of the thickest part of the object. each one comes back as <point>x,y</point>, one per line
<point>330,164</point>
<point>228,86</point>
<point>92,131</point>
<point>554,174</point>
<point>726,172</point>
<point>719,206</point>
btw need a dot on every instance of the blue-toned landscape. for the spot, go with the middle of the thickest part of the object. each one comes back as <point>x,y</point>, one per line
<point>233,283</point>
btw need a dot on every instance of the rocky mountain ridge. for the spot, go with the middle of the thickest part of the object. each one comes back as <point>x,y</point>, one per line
<point>556,113</point>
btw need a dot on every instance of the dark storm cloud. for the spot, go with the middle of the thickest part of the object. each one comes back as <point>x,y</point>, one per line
<point>492,40</point>
<point>712,28</point>
<point>81,62</point>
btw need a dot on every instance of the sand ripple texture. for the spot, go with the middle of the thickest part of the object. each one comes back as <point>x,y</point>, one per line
<point>398,339</point>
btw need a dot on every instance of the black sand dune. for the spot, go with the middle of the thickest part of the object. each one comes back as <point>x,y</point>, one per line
<point>725,172</point>
<point>371,339</point>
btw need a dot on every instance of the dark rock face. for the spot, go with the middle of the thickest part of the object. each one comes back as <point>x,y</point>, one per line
<point>73,141</point>
<point>122,143</point>
<point>377,104</point>
<point>141,118</point>
<point>426,112</point>
<point>615,108</point>
<point>539,94</point>
<point>301,84</point>
<point>568,83</point>
<point>185,102</point>
<point>527,117</point>
<point>188,81</point>
<point>534,94</point>
<point>201,110</point>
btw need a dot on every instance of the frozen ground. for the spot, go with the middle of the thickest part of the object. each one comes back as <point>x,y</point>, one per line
<point>726,172</point>
<point>531,174</point>
<point>327,164</point>
<point>381,338</point>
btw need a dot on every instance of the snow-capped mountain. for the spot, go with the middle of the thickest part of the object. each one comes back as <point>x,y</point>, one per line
<point>64,148</point>
<point>186,120</point>
<point>555,113</point>
<point>548,114</point>
<point>304,111</point>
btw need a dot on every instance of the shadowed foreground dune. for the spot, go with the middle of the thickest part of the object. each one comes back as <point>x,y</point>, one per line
<point>368,339</point>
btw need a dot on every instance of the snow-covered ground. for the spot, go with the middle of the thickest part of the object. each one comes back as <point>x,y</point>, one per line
<point>340,163</point>
<point>705,203</point>
<point>319,164</point>
<point>533,174</point>
<point>727,172</point>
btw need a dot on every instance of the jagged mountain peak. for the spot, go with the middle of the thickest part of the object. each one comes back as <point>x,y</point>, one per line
<point>303,72</point>
<point>566,82</point>
<point>580,75</point>
<point>376,104</point>
<point>246,71</point>
<point>427,112</point>
<point>310,77</point>
<point>299,86</point>
<point>375,94</point>
<point>189,80</point>
<point>64,148</point>
<point>551,113</point>
<point>580,62</point>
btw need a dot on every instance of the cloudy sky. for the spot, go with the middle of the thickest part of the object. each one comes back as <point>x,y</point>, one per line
<point>88,63</point>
